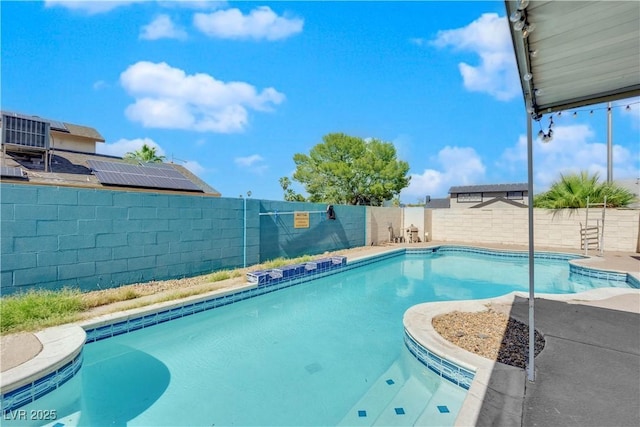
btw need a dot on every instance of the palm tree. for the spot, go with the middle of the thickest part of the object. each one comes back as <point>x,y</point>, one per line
<point>572,192</point>
<point>146,154</point>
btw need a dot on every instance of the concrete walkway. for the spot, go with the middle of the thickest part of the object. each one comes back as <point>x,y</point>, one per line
<point>589,371</point>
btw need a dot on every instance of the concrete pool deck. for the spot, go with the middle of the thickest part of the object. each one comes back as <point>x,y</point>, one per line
<point>593,350</point>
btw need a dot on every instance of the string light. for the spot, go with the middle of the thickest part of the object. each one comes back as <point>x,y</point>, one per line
<point>574,113</point>
<point>548,135</point>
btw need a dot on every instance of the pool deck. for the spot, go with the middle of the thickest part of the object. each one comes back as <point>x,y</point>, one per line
<point>588,373</point>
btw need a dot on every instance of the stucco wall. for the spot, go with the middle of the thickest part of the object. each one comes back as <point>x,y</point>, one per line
<point>510,226</point>
<point>378,221</point>
<point>92,238</point>
<point>61,141</point>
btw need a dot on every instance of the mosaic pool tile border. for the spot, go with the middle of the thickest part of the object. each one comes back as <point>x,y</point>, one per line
<point>495,252</point>
<point>601,274</point>
<point>295,271</point>
<point>38,388</point>
<point>445,368</point>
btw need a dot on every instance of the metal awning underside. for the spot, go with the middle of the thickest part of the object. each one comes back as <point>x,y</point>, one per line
<point>579,53</point>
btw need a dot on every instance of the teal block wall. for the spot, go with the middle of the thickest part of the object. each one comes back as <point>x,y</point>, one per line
<point>95,239</point>
<point>279,238</point>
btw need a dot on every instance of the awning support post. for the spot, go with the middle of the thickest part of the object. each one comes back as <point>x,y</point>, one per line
<point>532,330</point>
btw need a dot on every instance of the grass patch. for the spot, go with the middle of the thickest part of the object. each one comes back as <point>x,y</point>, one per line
<point>109,296</point>
<point>224,275</point>
<point>36,310</point>
<point>280,262</point>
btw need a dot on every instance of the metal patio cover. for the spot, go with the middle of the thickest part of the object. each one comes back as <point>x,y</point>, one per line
<point>579,52</point>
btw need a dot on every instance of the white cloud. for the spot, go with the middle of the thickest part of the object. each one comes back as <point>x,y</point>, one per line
<point>100,84</point>
<point>167,97</point>
<point>488,37</point>
<point>571,150</point>
<point>248,161</point>
<point>260,23</point>
<point>162,28</point>
<point>193,4</point>
<point>124,146</point>
<point>89,7</point>
<point>253,163</point>
<point>195,167</point>
<point>94,7</point>
<point>458,166</point>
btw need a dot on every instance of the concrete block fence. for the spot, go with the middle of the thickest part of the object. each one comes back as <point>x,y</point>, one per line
<point>90,239</point>
<point>51,237</point>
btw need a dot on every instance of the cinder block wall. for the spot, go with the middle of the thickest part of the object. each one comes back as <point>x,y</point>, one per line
<point>91,239</point>
<point>279,237</point>
<point>510,226</point>
<point>378,221</point>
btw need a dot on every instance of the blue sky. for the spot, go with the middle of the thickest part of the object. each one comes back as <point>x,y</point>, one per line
<point>233,90</point>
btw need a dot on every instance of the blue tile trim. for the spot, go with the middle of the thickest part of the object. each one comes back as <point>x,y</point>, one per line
<point>446,369</point>
<point>633,282</point>
<point>494,252</point>
<point>601,274</point>
<point>29,392</point>
<point>296,271</point>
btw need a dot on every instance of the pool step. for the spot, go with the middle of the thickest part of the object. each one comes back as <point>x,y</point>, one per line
<point>370,405</point>
<point>443,407</point>
<point>406,406</point>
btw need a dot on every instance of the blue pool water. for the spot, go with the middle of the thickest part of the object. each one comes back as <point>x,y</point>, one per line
<point>325,352</point>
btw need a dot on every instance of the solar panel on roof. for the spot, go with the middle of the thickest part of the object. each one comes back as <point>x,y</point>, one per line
<point>123,174</point>
<point>12,172</point>
<point>158,165</point>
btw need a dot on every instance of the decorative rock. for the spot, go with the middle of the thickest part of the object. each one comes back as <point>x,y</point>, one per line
<point>489,334</point>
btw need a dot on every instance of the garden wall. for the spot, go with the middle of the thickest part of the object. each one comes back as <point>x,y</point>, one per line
<point>93,238</point>
<point>510,226</point>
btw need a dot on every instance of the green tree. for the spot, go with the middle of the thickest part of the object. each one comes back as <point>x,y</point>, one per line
<point>571,191</point>
<point>145,154</point>
<point>348,170</point>
<point>289,194</point>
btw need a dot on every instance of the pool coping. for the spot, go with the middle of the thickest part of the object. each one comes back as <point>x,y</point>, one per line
<point>62,345</point>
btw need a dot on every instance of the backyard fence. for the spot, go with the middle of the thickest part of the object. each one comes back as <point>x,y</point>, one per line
<point>90,239</point>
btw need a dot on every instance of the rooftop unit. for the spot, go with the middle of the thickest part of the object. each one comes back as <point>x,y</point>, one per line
<point>28,135</point>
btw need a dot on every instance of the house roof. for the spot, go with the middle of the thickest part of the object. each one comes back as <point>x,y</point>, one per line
<point>579,53</point>
<point>84,132</point>
<point>64,127</point>
<point>438,204</point>
<point>71,168</point>
<point>499,200</point>
<point>488,188</point>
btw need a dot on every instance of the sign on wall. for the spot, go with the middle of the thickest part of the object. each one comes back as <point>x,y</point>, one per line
<point>301,220</point>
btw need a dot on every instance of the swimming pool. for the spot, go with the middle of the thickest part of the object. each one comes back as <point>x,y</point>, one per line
<point>324,352</point>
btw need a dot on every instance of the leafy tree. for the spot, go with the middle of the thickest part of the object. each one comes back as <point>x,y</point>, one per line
<point>145,154</point>
<point>572,191</point>
<point>289,194</point>
<point>345,169</point>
